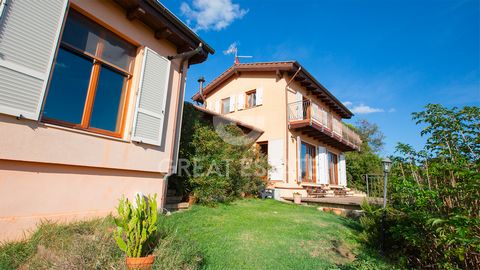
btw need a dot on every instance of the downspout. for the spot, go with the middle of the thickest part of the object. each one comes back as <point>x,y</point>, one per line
<point>179,112</point>
<point>286,122</point>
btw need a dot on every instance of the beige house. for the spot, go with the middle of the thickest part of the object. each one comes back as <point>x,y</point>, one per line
<point>304,137</point>
<point>91,96</point>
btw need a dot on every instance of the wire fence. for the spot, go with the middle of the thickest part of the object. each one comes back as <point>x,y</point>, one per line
<point>373,185</point>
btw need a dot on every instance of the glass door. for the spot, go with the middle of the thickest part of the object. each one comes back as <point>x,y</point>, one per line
<point>308,162</point>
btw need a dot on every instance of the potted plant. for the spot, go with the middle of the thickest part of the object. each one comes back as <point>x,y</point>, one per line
<point>297,197</point>
<point>192,199</point>
<point>136,232</point>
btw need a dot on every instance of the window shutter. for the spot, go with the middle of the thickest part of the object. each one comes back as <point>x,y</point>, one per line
<point>217,106</point>
<point>322,175</point>
<point>342,170</point>
<point>232,103</point>
<point>275,159</point>
<point>299,160</point>
<point>151,98</point>
<point>259,96</point>
<point>241,101</point>
<point>29,34</point>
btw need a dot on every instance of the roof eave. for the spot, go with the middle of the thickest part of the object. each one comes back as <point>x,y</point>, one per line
<point>166,25</point>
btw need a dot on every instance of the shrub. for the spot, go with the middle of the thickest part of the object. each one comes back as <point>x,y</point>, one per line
<point>223,171</point>
<point>434,215</point>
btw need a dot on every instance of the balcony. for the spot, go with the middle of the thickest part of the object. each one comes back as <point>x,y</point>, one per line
<point>312,120</point>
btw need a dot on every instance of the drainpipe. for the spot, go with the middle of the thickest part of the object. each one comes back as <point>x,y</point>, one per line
<point>286,122</point>
<point>179,112</point>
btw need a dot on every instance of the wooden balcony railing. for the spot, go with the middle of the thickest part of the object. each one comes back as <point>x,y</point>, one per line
<point>310,111</point>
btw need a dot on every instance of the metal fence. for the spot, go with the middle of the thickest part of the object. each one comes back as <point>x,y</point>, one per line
<point>373,185</point>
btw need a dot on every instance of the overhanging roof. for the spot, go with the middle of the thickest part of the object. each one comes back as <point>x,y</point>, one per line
<point>166,25</point>
<point>290,67</point>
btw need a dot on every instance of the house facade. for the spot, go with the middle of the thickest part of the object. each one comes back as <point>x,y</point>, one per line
<point>304,137</point>
<point>91,98</point>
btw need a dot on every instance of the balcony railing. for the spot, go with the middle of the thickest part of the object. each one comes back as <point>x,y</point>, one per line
<point>308,110</point>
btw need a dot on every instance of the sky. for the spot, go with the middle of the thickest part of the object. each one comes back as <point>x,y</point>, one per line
<point>384,59</point>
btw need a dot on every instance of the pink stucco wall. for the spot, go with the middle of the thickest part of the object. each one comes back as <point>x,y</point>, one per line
<point>57,173</point>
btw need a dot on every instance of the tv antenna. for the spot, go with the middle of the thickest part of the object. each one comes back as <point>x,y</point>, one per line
<point>237,57</point>
<point>233,49</point>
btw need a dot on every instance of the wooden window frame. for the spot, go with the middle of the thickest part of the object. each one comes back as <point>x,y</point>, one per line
<point>97,64</point>
<point>223,107</point>
<point>314,162</point>
<point>254,91</point>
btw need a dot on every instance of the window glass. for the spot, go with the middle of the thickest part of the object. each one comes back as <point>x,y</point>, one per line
<point>251,99</point>
<point>81,33</point>
<point>85,35</point>
<point>117,51</point>
<point>108,100</point>
<point>226,105</point>
<point>68,88</point>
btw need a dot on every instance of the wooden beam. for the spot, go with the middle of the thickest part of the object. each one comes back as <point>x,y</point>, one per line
<point>279,74</point>
<point>135,13</point>
<point>163,33</point>
<point>300,79</point>
<point>305,83</point>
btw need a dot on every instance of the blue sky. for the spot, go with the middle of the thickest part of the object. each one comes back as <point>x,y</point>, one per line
<point>385,59</point>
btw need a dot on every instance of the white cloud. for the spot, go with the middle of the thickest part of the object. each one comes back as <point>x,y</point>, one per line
<point>212,14</point>
<point>232,49</point>
<point>365,109</point>
<point>348,103</point>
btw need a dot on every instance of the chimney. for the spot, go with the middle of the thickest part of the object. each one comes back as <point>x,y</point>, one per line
<point>201,80</point>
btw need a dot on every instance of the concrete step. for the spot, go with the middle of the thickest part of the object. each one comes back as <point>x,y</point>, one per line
<point>177,206</point>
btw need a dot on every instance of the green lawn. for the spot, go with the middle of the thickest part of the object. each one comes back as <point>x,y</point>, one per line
<point>255,234</point>
<point>246,234</point>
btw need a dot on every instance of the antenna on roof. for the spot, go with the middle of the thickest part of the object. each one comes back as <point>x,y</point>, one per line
<point>232,49</point>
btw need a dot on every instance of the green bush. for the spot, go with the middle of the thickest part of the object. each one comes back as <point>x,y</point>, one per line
<point>217,170</point>
<point>223,171</point>
<point>433,218</point>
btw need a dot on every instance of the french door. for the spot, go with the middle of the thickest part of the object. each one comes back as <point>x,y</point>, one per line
<point>333,168</point>
<point>308,162</point>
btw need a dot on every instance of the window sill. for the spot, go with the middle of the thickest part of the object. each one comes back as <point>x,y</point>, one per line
<point>84,132</point>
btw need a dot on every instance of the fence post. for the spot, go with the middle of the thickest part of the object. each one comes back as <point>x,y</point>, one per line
<point>368,191</point>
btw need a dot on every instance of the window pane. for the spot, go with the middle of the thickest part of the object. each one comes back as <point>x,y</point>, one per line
<point>85,34</point>
<point>108,100</point>
<point>81,32</point>
<point>68,88</point>
<point>303,162</point>
<point>226,105</point>
<point>117,51</point>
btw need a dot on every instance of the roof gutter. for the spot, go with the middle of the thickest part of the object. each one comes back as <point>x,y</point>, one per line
<point>179,112</point>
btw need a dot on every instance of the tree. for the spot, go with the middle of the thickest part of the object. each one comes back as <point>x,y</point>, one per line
<point>434,207</point>
<point>365,161</point>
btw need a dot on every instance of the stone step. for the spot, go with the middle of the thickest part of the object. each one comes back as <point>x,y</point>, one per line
<point>177,206</point>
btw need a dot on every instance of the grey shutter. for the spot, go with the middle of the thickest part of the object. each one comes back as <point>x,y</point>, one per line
<point>151,99</point>
<point>29,34</point>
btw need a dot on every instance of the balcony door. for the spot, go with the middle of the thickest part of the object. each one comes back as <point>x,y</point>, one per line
<point>332,168</point>
<point>308,170</point>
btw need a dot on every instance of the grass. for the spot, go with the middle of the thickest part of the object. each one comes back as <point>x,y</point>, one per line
<point>247,234</point>
<point>254,234</point>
